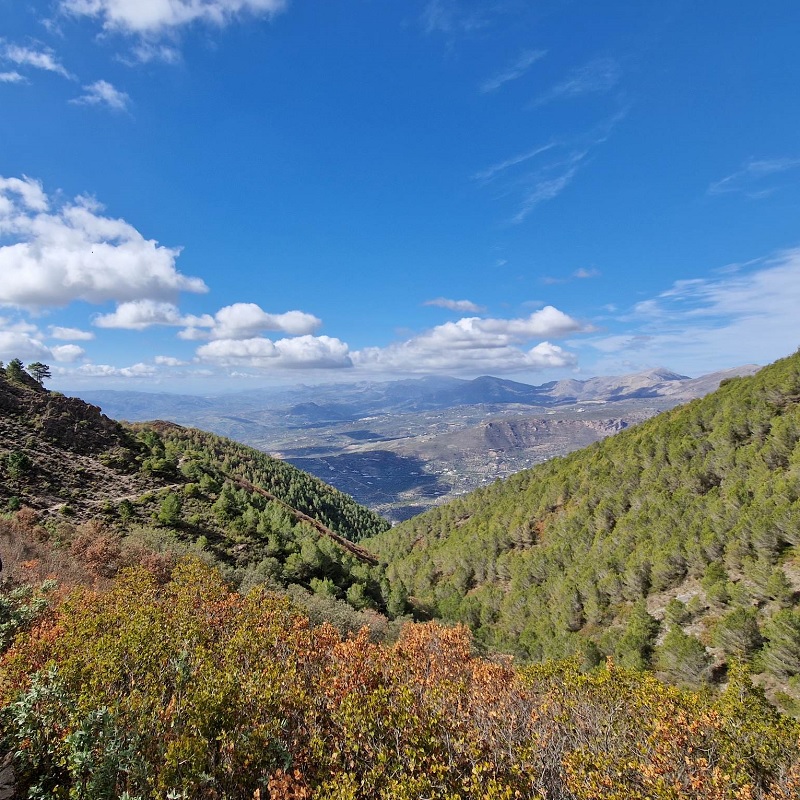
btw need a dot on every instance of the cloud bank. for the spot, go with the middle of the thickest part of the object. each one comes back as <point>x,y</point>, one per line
<point>476,344</point>
<point>62,253</point>
<point>748,315</point>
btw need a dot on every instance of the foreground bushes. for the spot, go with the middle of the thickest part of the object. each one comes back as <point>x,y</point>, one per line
<point>189,690</point>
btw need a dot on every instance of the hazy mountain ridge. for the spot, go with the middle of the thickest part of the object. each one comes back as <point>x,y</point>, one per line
<point>353,400</point>
<point>402,446</point>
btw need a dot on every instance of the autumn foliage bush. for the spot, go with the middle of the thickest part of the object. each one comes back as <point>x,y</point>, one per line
<point>186,689</point>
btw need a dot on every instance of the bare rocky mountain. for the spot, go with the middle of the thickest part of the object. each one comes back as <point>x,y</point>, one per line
<point>401,446</point>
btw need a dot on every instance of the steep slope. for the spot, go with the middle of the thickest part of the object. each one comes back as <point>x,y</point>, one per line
<point>698,506</point>
<point>178,488</point>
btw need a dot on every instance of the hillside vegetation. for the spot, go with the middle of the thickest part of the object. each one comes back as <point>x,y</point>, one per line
<point>184,689</point>
<point>105,492</point>
<point>214,630</point>
<point>670,545</point>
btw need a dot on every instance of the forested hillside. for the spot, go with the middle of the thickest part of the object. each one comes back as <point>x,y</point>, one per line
<point>106,492</point>
<point>671,545</point>
<point>186,648</point>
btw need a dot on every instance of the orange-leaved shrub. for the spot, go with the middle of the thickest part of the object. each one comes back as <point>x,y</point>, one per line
<point>188,689</point>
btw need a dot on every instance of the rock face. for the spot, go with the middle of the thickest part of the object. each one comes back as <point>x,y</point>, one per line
<point>529,432</point>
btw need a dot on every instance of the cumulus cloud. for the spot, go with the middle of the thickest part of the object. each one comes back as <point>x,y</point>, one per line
<point>309,352</point>
<point>11,77</point>
<point>19,344</point>
<point>137,315</point>
<point>462,306</point>
<point>744,316</point>
<point>415,357</point>
<point>72,252</point>
<point>155,17</point>
<point>22,340</point>
<point>70,334</point>
<point>67,352</point>
<point>29,192</point>
<point>478,332</point>
<point>139,370</point>
<point>39,58</point>
<point>18,326</point>
<point>102,93</point>
<point>475,344</point>
<point>246,321</point>
<point>517,70</point>
<point>169,361</point>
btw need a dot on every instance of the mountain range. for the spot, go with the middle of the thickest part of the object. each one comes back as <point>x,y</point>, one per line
<point>400,447</point>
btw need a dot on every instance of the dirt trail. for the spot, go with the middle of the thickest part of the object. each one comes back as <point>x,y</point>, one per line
<point>116,499</point>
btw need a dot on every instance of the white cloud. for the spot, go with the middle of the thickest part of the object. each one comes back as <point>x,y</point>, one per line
<point>70,334</point>
<point>169,361</point>
<point>414,357</point>
<point>145,52</point>
<point>30,194</point>
<point>18,326</point>
<point>477,332</point>
<point>107,371</point>
<point>22,340</point>
<point>750,179</point>
<point>42,58</point>
<point>475,344</point>
<point>237,321</point>
<point>11,77</point>
<point>596,77</point>
<point>18,344</point>
<point>701,325</point>
<point>462,306</point>
<point>137,315</point>
<point>247,321</point>
<point>544,183</point>
<point>74,253</point>
<point>67,352</point>
<point>153,17</point>
<point>102,93</point>
<point>309,352</point>
<point>519,68</point>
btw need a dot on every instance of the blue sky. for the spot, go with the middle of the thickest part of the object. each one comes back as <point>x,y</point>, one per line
<point>204,195</point>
